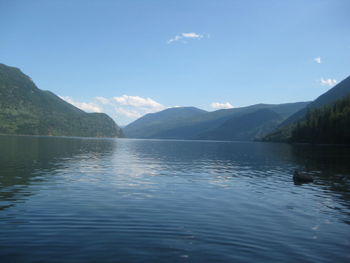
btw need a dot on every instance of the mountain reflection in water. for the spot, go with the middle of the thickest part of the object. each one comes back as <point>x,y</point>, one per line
<point>106,200</point>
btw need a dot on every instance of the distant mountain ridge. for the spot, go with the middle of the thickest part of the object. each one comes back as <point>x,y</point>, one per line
<point>245,127</point>
<point>27,110</point>
<point>193,123</point>
<point>167,119</point>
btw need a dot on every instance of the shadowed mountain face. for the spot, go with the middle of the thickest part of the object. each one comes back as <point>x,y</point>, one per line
<point>150,125</point>
<point>328,99</point>
<point>244,123</point>
<point>25,109</point>
<point>337,92</point>
<point>247,127</point>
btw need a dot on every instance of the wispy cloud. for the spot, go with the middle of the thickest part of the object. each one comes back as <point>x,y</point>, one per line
<point>318,60</point>
<point>133,106</point>
<point>85,106</point>
<point>137,101</point>
<point>124,108</point>
<point>132,114</point>
<point>184,36</point>
<point>102,100</point>
<point>328,82</point>
<point>218,105</point>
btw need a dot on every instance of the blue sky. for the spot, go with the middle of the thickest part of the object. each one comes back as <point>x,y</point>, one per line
<point>130,57</point>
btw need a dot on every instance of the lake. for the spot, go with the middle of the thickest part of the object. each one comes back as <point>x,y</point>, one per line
<point>121,200</point>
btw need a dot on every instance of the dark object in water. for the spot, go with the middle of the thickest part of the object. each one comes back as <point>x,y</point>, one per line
<point>302,177</point>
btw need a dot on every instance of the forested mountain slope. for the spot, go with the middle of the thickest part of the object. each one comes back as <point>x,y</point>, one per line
<point>27,110</point>
<point>227,124</point>
<point>328,99</point>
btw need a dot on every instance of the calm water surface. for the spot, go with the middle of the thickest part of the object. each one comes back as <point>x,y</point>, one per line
<point>106,200</point>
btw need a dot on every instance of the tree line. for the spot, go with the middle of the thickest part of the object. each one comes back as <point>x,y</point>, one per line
<point>327,125</point>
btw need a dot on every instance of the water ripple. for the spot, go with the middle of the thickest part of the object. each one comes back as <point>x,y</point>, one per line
<point>73,200</point>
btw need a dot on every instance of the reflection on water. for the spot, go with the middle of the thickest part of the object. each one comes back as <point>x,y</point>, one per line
<point>331,167</point>
<point>324,158</point>
<point>105,200</point>
<point>24,160</point>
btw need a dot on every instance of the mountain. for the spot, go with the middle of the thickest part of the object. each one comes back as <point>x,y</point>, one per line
<point>152,124</point>
<point>245,127</point>
<point>27,110</point>
<point>193,123</point>
<point>339,91</point>
<point>329,124</point>
<point>283,133</point>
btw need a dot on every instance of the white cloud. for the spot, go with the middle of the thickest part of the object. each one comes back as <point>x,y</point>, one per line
<point>318,60</point>
<point>183,36</point>
<point>133,114</point>
<point>123,109</point>
<point>85,106</point>
<point>328,82</point>
<point>137,101</point>
<point>103,100</point>
<point>134,106</point>
<point>218,105</point>
<point>192,35</point>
